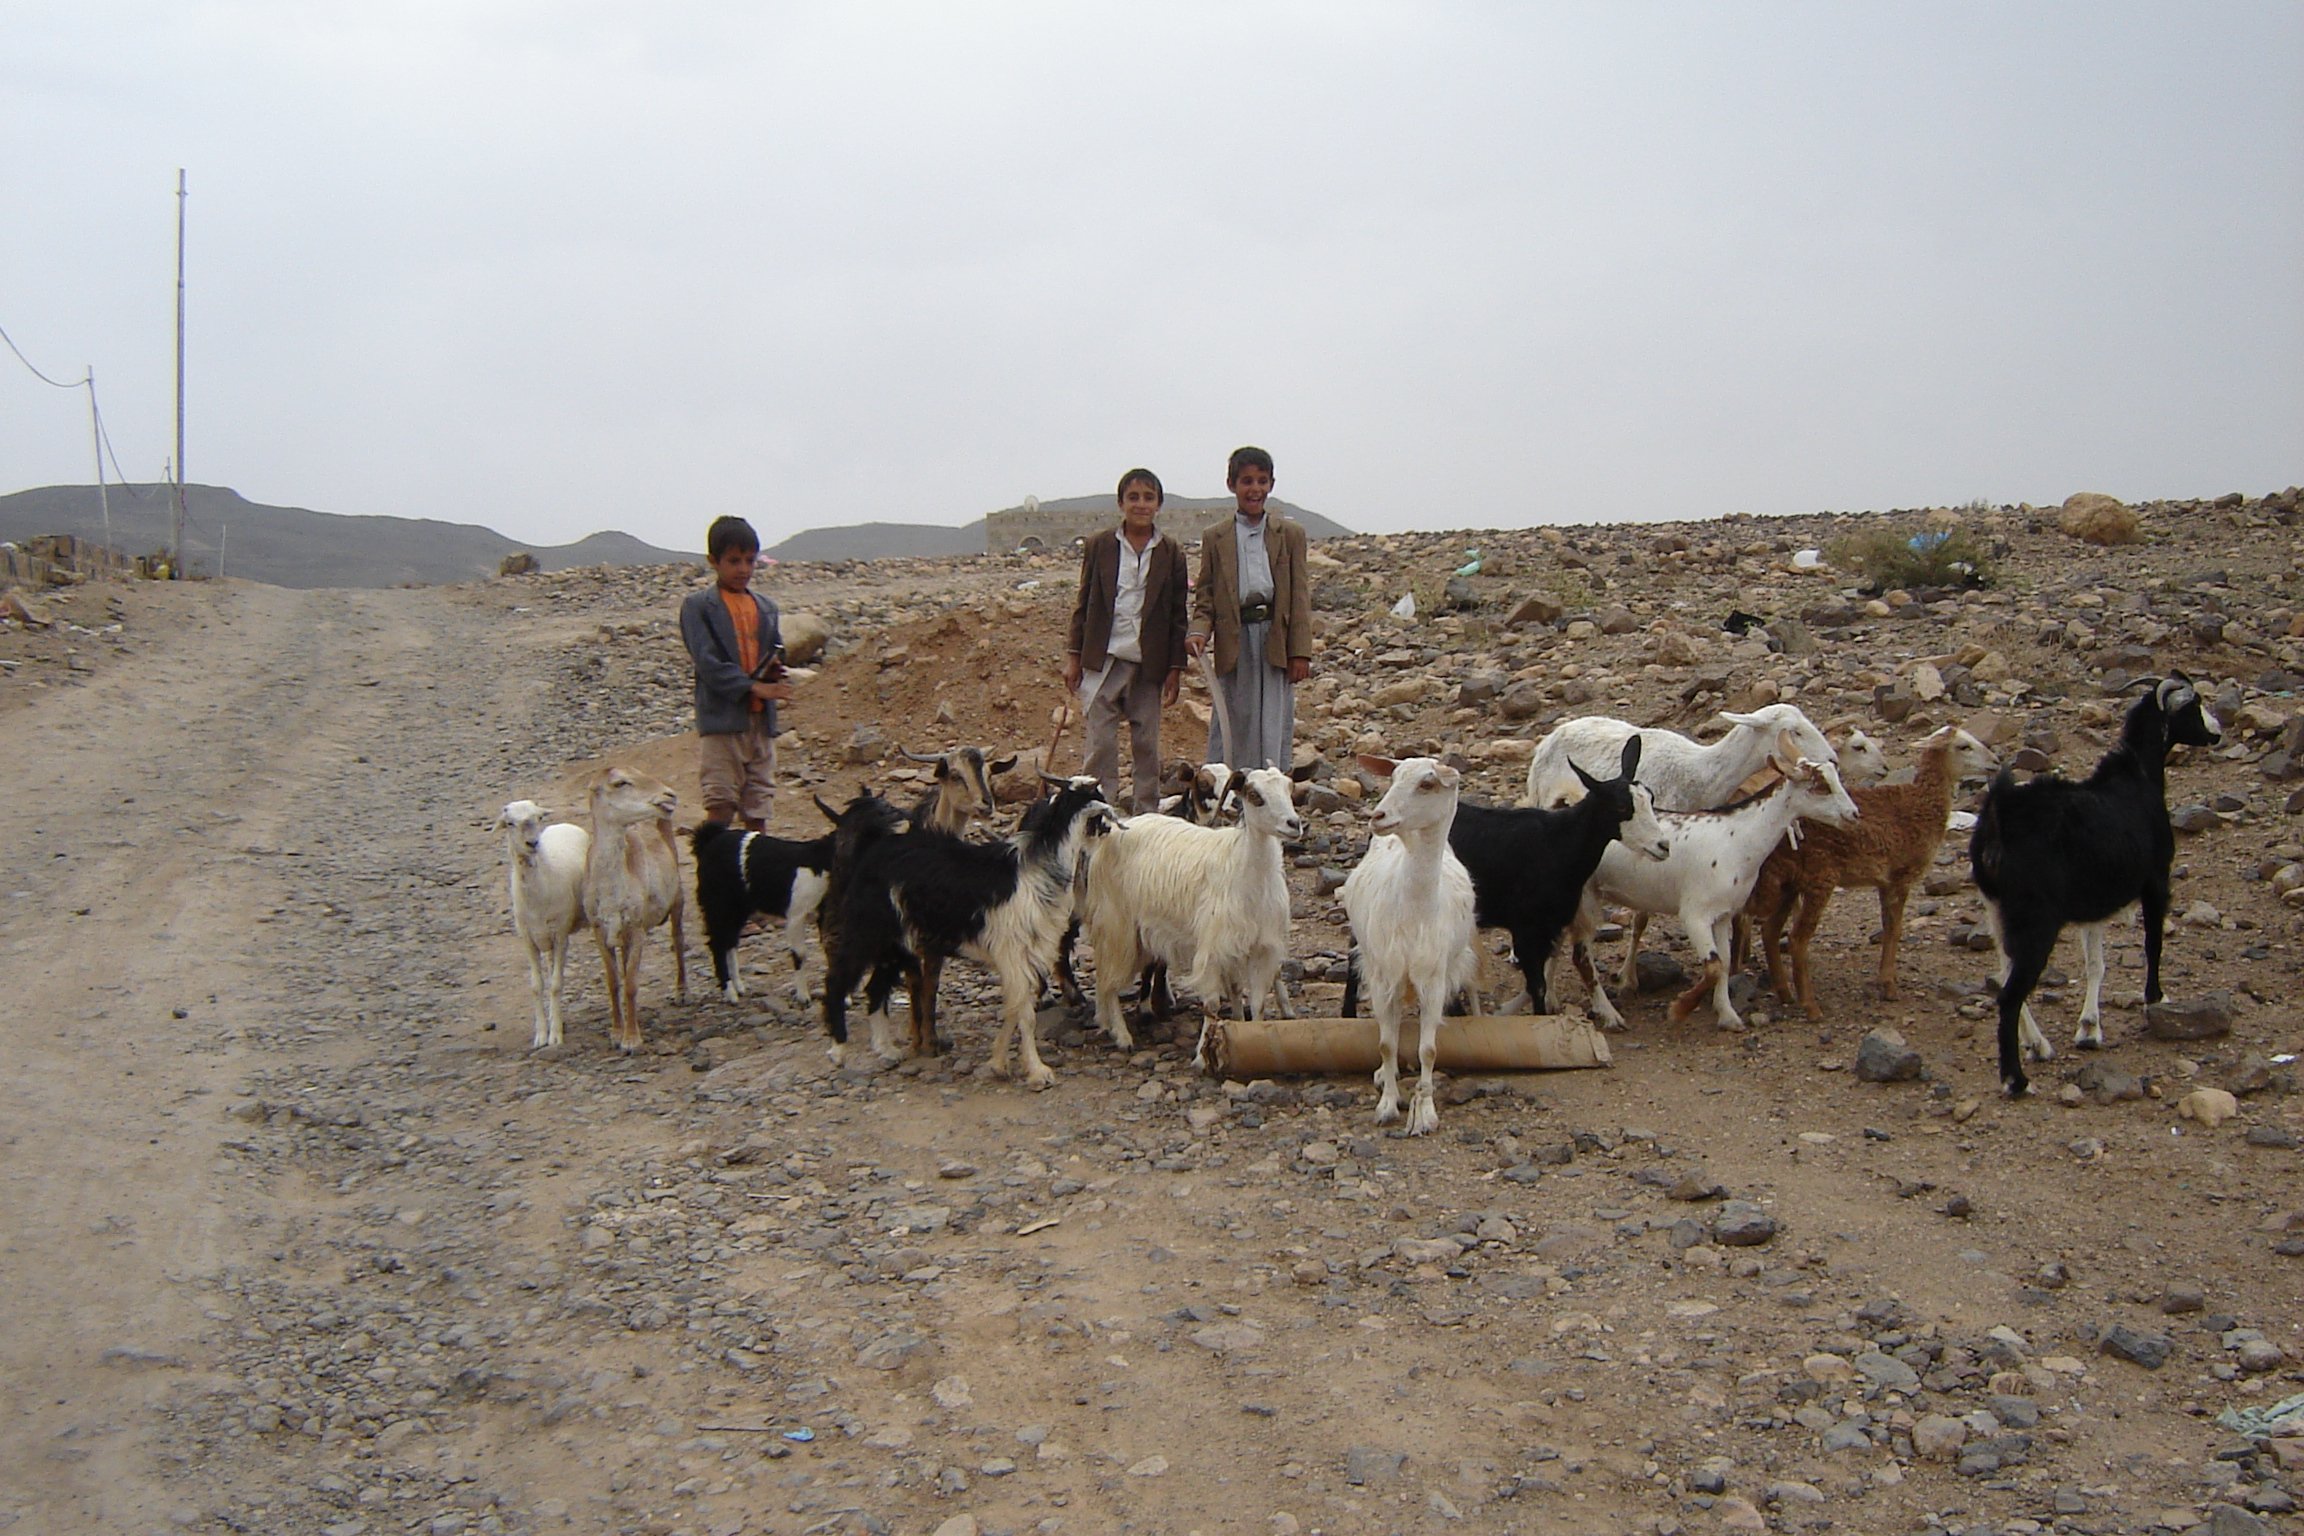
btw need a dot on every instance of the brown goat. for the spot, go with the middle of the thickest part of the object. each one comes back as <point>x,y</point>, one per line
<point>1888,847</point>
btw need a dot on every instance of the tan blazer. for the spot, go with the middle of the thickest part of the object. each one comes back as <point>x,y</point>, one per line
<point>1166,577</point>
<point>1216,599</point>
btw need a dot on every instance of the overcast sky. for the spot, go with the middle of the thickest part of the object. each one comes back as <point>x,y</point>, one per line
<point>557,267</point>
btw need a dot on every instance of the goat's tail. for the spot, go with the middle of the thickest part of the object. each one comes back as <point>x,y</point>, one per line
<point>1984,847</point>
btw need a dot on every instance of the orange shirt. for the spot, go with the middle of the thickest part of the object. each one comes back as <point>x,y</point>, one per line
<point>745,615</point>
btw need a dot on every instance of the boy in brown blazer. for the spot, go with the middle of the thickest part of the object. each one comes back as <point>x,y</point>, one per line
<point>1126,640</point>
<point>1254,603</point>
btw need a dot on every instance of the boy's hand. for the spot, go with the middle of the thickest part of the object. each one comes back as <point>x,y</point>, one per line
<point>773,693</point>
<point>1072,672</point>
<point>1299,668</point>
<point>1171,688</point>
<point>1194,645</point>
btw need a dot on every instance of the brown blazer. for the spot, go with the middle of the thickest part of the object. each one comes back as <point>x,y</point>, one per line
<point>1216,599</point>
<point>1166,580</point>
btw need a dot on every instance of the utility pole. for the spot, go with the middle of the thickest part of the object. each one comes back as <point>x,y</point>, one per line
<point>96,440</point>
<point>177,554</point>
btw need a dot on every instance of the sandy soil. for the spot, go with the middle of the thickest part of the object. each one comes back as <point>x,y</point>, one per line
<point>298,1235</point>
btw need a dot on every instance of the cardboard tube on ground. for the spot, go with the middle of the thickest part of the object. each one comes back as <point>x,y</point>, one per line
<point>1243,1048</point>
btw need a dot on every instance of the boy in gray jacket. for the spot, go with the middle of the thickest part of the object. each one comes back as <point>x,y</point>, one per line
<point>733,638</point>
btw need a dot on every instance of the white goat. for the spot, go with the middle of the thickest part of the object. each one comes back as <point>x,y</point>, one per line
<point>1410,902</point>
<point>1210,901</point>
<point>547,882</point>
<point>1685,775</point>
<point>1861,760</point>
<point>1704,879</point>
<point>632,884</point>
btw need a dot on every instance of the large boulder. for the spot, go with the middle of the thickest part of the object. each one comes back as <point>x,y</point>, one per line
<point>804,637</point>
<point>2099,519</point>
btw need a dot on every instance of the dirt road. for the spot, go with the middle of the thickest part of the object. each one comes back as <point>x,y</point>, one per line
<point>297,1235</point>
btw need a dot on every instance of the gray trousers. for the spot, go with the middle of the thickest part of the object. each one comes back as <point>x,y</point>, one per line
<point>1125,695</point>
<point>1262,706</point>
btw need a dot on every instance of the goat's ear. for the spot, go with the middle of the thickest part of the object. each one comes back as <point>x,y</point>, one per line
<point>1248,792</point>
<point>1629,763</point>
<point>1449,777</point>
<point>1734,718</point>
<point>1003,764</point>
<point>830,814</point>
<point>1375,764</point>
<point>1590,783</point>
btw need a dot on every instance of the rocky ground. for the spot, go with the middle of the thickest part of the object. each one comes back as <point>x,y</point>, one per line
<point>298,1234</point>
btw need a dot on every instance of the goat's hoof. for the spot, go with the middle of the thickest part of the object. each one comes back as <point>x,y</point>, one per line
<point>2015,1087</point>
<point>1040,1080</point>
<point>1423,1119</point>
<point>1387,1111</point>
<point>2089,1038</point>
<point>1729,1023</point>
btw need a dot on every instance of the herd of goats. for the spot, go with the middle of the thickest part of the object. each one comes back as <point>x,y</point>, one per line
<point>1739,836</point>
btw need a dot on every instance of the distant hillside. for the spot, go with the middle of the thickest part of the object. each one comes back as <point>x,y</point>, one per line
<point>1185,516</point>
<point>297,547</point>
<point>879,541</point>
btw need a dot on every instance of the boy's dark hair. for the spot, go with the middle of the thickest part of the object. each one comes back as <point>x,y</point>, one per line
<point>1246,458</point>
<point>1158,490</point>
<point>728,533</point>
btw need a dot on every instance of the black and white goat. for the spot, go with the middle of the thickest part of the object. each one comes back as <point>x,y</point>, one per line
<point>2053,853</point>
<point>909,902</point>
<point>740,873</point>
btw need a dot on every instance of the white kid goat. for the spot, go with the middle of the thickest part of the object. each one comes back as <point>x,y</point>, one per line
<point>547,881</point>
<point>1705,877</point>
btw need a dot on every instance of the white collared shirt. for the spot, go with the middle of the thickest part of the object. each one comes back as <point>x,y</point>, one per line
<point>1127,642</point>
<point>1255,563</point>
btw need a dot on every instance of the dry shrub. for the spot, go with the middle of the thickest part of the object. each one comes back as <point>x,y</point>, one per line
<point>1906,558</point>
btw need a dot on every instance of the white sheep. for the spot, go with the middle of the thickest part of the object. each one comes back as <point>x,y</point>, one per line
<point>1210,901</point>
<point>1685,775</point>
<point>1410,902</point>
<point>546,864</point>
<point>632,884</point>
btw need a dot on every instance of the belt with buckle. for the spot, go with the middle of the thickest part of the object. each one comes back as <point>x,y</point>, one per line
<point>1255,613</point>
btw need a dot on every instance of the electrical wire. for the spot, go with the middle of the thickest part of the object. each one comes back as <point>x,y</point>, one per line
<point>36,373</point>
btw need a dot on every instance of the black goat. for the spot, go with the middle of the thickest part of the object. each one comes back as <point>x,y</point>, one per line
<point>908,902</point>
<point>1529,866</point>
<point>2051,853</point>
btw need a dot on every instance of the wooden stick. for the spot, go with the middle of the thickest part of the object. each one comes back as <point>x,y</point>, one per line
<point>1216,702</point>
<point>1063,719</point>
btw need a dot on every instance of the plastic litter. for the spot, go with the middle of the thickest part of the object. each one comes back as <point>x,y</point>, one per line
<point>2283,1418</point>
<point>1922,543</point>
<point>1808,560</point>
<point>1470,567</point>
<point>1405,608</point>
<point>800,1436</point>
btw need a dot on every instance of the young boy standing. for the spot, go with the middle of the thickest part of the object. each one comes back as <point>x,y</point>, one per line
<point>1126,640</point>
<point>1253,606</point>
<point>732,637</point>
